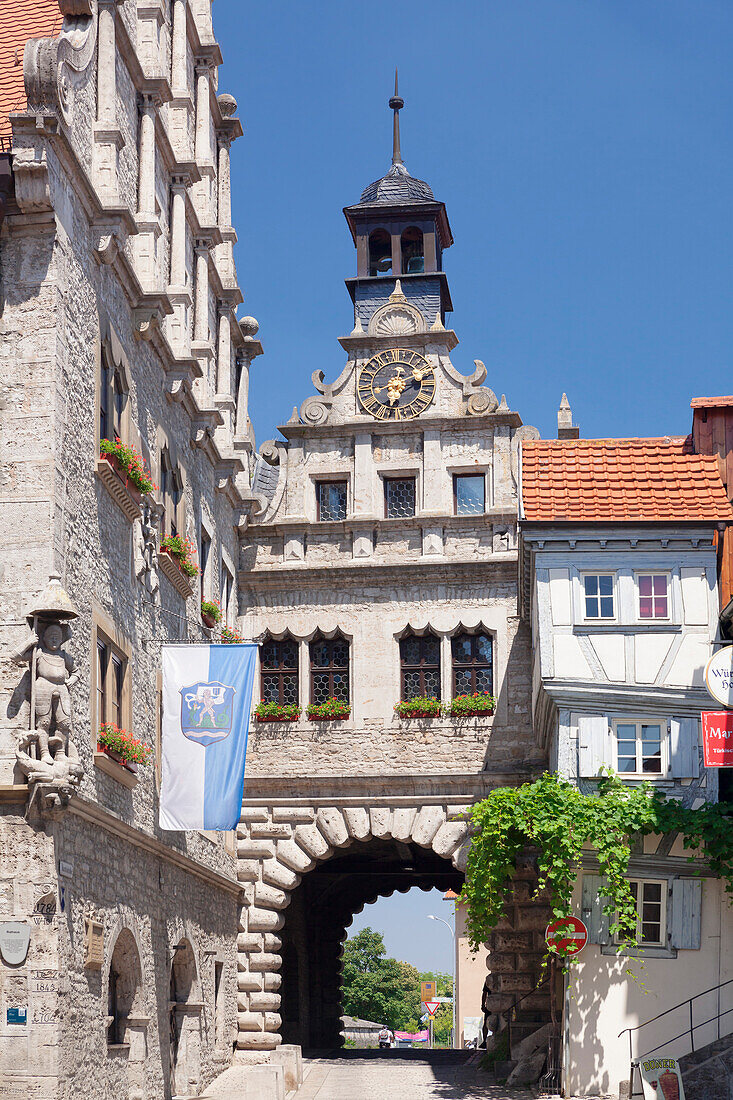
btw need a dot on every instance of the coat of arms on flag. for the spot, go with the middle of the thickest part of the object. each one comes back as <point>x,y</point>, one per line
<point>206,711</point>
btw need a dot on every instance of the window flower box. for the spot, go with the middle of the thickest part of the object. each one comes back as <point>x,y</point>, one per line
<point>421,707</point>
<point>230,637</point>
<point>122,471</point>
<point>210,613</point>
<point>276,712</point>
<point>479,705</point>
<point>176,562</point>
<point>121,746</point>
<point>333,710</point>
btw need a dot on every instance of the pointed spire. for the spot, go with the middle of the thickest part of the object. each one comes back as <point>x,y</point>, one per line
<point>565,427</point>
<point>396,103</point>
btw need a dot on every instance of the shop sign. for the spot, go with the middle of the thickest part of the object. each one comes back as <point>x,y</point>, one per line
<point>15,937</point>
<point>717,738</point>
<point>661,1079</point>
<point>719,676</point>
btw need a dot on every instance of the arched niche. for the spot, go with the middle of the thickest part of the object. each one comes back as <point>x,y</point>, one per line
<point>380,252</point>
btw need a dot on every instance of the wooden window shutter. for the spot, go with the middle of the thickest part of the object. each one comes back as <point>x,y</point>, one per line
<point>684,736</point>
<point>593,744</point>
<point>684,925</point>
<point>592,913</point>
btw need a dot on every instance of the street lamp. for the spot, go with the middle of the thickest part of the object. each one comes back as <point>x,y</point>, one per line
<point>453,968</point>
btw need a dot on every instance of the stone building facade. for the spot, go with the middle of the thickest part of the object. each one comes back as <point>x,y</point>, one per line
<point>119,298</point>
<point>381,565</point>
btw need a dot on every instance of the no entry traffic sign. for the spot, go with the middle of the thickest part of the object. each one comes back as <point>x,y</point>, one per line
<point>432,1006</point>
<point>566,936</point>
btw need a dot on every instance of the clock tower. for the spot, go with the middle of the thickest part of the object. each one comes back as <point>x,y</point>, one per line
<point>378,574</point>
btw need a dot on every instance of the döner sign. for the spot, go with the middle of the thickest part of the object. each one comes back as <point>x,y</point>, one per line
<point>717,738</point>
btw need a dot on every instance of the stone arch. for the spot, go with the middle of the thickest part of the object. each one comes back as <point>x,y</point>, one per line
<point>124,988</point>
<point>277,847</point>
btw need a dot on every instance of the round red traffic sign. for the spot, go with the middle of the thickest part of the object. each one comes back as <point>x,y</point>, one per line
<point>566,936</point>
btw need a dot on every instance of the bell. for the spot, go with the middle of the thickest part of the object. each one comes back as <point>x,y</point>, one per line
<point>53,603</point>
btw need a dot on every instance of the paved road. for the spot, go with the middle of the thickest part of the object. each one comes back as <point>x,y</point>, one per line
<point>397,1075</point>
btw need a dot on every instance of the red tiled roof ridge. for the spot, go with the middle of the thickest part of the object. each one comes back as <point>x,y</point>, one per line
<point>579,443</point>
<point>711,402</point>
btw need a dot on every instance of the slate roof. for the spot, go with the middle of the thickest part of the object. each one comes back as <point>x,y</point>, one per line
<point>396,188</point>
<point>620,481</point>
<point>19,21</point>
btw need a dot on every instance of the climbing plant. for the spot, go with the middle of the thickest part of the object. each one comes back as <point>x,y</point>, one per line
<point>554,817</point>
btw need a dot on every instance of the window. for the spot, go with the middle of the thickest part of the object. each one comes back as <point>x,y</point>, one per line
<point>639,748</point>
<point>472,663</point>
<point>330,500</point>
<point>413,255</point>
<point>279,666</point>
<point>420,666</point>
<point>380,252</point>
<point>598,595</point>
<point>111,672</point>
<point>399,497</point>
<point>112,399</point>
<point>650,899</point>
<point>204,556</point>
<point>329,658</point>
<point>227,587</point>
<point>171,492</point>
<point>653,595</point>
<point>469,494</point>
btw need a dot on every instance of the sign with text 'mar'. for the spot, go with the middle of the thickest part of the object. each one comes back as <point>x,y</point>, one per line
<point>207,697</point>
<point>717,738</point>
<point>661,1079</point>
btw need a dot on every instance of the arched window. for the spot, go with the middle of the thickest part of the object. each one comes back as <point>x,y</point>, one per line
<point>279,671</point>
<point>473,663</point>
<point>420,666</point>
<point>380,252</point>
<point>112,400</point>
<point>123,986</point>
<point>329,658</point>
<point>171,491</point>
<point>413,253</point>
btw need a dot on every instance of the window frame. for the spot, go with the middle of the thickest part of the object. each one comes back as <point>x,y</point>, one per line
<point>473,665</point>
<point>638,574</point>
<point>118,661</point>
<point>640,883</point>
<point>205,539</point>
<point>664,747</point>
<point>387,479</point>
<point>331,668</point>
<point>112,397</point>
<point>584,597</point>
<point>420,668</point>
<point>174,509</point>
<point>476,476</point>
<point>335,480</point>
<point>281,671</point>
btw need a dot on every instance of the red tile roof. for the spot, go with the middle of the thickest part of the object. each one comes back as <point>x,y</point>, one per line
<point>710,402</point>
<point>620,481</point>
<point>19,21</point>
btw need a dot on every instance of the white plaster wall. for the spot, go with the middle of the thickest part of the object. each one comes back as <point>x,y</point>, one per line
<point>602,1001</point>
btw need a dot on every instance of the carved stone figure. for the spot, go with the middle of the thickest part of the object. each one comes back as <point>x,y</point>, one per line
<point>146,555</point>
<point>45,751</point>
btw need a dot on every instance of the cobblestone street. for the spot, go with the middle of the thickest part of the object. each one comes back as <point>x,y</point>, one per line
<point>402,1075</point>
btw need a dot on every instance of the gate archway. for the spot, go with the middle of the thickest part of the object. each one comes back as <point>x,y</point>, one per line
<point>326,861</point>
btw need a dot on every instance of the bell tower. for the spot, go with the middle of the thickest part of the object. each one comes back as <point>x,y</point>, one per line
<point>400,232</point>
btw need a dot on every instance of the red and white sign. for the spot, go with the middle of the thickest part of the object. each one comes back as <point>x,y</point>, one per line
<point>717,738</point>
<point>432,1007</point>
<point>566,936</point>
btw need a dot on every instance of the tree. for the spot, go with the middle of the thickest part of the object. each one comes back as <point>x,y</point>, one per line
<point>377,988</point>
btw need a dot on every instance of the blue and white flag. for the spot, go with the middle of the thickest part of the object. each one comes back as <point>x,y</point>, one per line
<point>207,696</point>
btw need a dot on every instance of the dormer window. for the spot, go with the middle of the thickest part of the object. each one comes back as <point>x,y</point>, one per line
<point>413,252</point>
<point>380,253</point>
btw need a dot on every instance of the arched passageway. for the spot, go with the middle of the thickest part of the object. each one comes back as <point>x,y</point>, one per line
<point>316,922</point>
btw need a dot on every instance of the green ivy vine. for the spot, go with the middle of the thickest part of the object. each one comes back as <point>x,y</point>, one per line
<point>554,817</point>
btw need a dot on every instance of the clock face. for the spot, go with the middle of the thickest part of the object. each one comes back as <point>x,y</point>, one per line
<point>397,384</point>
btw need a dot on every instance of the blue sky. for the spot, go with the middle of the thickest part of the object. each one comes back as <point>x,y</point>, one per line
<point>584,149</point>
<point>408,934</point>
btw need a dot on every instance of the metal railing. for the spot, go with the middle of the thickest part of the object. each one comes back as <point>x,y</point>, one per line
<point>690,1030</point>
